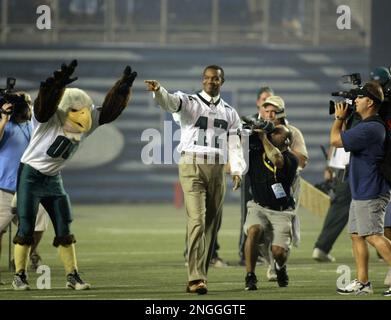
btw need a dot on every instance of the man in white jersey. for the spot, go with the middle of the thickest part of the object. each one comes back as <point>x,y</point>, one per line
<point>209,127</point>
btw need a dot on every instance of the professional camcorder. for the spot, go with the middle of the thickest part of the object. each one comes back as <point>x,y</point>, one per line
<point>348,96</point>
<point>380,74</point>
<point>253,122</point>
<point>9,95</point>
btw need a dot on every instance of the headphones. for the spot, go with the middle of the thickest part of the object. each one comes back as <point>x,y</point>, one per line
<point>287,142</point>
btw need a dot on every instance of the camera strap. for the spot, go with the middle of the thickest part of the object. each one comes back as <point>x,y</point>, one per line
<point>271,167</point>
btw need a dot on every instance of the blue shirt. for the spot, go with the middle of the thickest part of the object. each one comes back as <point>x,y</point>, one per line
<point>12,146</point>
<point>366,143</point>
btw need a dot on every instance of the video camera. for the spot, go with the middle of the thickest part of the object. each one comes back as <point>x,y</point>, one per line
<point>252,123</point>
<point>348,96</point>
<point>9,95</point>
<point>380,74</point>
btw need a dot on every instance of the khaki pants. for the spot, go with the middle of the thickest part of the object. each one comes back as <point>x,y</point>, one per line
<point>6,216</point>
<point>204,189</point>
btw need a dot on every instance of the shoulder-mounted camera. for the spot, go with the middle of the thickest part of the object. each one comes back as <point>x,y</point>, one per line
<point>9,95</point>
<point>252,122</point>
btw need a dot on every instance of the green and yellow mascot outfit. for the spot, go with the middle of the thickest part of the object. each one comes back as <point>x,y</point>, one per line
<point>62,118</point>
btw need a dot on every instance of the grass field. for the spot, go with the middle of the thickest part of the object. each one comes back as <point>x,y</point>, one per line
<point>136,252</point>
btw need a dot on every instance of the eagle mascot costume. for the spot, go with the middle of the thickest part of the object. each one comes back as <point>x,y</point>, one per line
<point>62,118</point>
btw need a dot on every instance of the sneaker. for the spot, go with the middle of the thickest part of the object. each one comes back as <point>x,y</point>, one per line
<point>321,256</point>
<point>357,288</point>
<point>74,282</point>
<point>35,261</point>
<point>387,293</point>
<point>197,286</point>
<point>20,282</point>
<point>251,281</point>
<point>271,274</point>
<point>218,263</point>
<point>387,279</point>
<point>282,276</point>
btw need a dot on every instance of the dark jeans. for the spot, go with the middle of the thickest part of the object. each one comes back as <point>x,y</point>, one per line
<point>336,218</point>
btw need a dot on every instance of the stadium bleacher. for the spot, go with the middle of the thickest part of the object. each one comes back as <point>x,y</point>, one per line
<point>304,77</point>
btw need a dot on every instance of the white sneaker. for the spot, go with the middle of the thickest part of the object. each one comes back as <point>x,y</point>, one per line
<point>321,256</point>
<point>75,282</point>
<point>357,288</point>
<point>387,279</point>
<point>218,263</point>
<point>271,274</point>
<point>20,282</point>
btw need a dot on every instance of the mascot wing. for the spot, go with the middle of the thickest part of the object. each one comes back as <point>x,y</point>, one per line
<point>51,92</point>
<point>118,97</point>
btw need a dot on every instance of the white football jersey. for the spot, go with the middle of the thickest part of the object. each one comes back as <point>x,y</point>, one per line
<point>49,147</point>
<point>207,128</point>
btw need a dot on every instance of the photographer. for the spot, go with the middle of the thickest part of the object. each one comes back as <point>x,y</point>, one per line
<point>15,132</point>
<point>272,170</point>
<point>338,213</point>
<point>273,109</point>
<point>370,191</point>
<point>245,194</point>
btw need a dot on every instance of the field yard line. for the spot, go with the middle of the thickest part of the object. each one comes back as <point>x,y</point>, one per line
<point>132,252</point>
<point>66,296</point>
<point>161,231</point>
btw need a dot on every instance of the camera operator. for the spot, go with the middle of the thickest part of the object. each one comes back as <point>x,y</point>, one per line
<point>370,191</point>
<point>272,171</point>
<point>245,193</point>
<point>338,213</point>
<point>15,133</point>
<point>273,109</point>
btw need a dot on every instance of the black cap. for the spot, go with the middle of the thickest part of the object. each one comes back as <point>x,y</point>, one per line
<point>363,91</point>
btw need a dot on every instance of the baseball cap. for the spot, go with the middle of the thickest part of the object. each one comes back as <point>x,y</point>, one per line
<point>368,91</point>
<point>278,103</point>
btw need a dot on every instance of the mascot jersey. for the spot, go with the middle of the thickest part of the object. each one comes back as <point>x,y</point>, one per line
<point>51,146</point>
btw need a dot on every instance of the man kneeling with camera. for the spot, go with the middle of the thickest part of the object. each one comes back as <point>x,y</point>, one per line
<point>272,169</point>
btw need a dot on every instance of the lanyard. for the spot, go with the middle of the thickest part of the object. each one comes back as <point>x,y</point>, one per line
<point>270,167</point>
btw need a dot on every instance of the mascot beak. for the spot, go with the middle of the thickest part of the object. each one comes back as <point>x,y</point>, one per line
<point>81,119</point>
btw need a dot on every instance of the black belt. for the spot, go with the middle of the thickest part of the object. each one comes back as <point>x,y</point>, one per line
<point>204,156</point>
<point>276,208</point>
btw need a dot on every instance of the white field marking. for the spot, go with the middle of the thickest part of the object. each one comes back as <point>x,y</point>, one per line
<point>65,296</point>
<point>327,271</point>
<point>299,268</point>
<point>149,231</point>
<point>130,253</point>
<point>138,299</point>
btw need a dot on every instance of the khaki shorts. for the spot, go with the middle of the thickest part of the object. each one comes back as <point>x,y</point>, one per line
<point>366,217</point>
<point>277,225</point>
<point>6,215</point>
